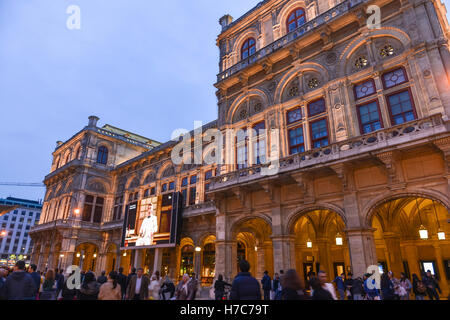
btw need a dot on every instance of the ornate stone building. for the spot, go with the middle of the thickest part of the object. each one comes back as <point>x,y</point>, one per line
<point>364,147</point>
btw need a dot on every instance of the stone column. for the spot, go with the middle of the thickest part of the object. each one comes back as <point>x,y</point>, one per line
<point>260,262</point>
<point>224,262</point>
<point>197,263</point>
<point>394,252</point>
<point>443,283</point>
<point>282,253</point>
<point>138,258</point>
<point>362,250</point>
<point>157,262</point>
<point>323,243</point>
<point>412,256</point>
<point>268,257</point>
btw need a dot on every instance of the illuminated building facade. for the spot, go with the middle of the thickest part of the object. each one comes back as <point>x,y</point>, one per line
<point>364,147</point>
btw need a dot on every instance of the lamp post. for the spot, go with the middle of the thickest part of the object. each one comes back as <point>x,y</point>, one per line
<point>440,233</point>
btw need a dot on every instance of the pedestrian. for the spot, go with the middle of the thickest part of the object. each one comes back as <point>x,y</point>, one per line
<point>292,286</point>
<point>219,287</point>
<point>89,288</point>
<point>194,283</point>
<point>322,289</point>
<point>122,281</point>
<point>398,290</point>
<point>49,287</point>
<point>131,275</point>
<point>66,292</point>
<point>185,289</point>
<point>19,285</point>
<point>432,285</point>
<point>357,289</point>
<point>244,286</point>
<point>276,287</point>
<point>60,282</point>
<point>348,283</point>
<point>406,285</point>
<point>266,285</point>
<point>387,288</point>
<point>339,281</point>
<point>372,292</point>
<point>2,282</point>
<point>154,288</point>
<point>36,277</point>
<point>102,279</point>
<point>167,287</point>
<point>138,286</point>
<point>110,290</point>
<point>418,288</point>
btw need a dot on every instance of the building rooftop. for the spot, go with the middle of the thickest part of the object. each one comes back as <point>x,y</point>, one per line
<point>11,202</point>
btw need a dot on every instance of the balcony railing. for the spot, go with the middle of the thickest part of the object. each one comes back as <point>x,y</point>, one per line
<point>378,140</point>
<point>309,26</point>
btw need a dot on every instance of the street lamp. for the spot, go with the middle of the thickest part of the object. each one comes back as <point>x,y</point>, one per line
<point>423,232</point>
<point>78,254</point>
<point>339,240</point>
<point>198,249</point>
<point>440,233</point>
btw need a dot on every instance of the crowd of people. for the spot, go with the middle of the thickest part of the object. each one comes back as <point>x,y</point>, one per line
<point>26,283</point>
<point>289,286</point>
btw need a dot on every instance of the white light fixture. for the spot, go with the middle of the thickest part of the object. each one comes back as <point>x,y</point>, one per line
<point>256,248</point>
<point>84,256</point>
<point>441,234</point>
<point>423,232</point>
<point>78,254</point>
<point>198,249</point>
<point>61,256</point>
<point>95,255</point>
<point>339,240</point>
<point>124,254</point>
<point>76,211</point>
<point>309,243</point>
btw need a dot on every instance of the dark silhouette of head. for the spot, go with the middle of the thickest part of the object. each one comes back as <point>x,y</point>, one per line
<point>244,266</point>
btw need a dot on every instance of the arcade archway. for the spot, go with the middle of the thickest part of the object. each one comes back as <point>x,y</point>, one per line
<point>411,236</point>
<point>86,255</point>
<point>320,243</point>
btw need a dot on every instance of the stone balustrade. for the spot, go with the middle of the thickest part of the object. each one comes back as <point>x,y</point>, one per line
<point>376,141</point>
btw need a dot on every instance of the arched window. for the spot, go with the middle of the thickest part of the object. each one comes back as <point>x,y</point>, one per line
<point>295,19</point>
<point>102,155</point>
<point>248,48</point>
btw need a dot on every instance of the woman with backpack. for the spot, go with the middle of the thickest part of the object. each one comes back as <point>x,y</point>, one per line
<point>419,289</point>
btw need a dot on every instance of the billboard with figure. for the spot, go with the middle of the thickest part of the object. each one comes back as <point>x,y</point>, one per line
<point>152,221</point>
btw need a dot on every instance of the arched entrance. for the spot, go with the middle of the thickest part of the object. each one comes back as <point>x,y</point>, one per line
<point>411,236</point>
<point>186,260</point>
<point>252,242</point>
<point>320,244</point>
<point>86,255</point>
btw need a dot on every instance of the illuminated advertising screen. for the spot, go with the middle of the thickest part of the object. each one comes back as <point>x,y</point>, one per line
<point>153,221</point>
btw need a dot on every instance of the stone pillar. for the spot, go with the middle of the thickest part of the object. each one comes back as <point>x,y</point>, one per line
<point>282,253</point>
<point>395,262</point>
<point>224,263</point>
<point>197,263</point>
<point>260,262</point>
<point>362,250</point>
<point>412,256</point>
<point>138,257</point>
<point>268,257</point>
<point>443,283</point>
<point>157,262</point>
<point>323,244</point>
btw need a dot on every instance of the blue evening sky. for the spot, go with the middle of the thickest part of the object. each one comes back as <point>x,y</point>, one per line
<point>142,65</point>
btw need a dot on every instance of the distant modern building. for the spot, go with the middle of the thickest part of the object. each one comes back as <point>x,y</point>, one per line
<point>15,243</point>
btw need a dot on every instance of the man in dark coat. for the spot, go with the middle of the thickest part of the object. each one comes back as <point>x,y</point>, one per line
<point>244,286</point>
<point>102,279</point>
<point>138,286</point>
<point>266,285</point>
<point>122,280</point>
<point>36,277</point>
<point>19,285</point>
